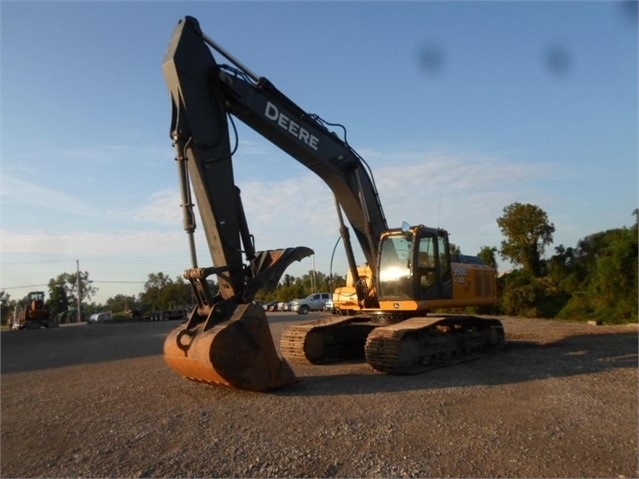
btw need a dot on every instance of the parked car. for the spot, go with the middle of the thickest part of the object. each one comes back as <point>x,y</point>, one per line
<point>284,306</point>
<point>313,302</point>
<point>272,306</point>
<point>330,307</point>
<point>104,317</point>
<point>168,315</point>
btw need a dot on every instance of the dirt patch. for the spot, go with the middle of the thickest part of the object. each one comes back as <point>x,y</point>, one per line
<point>98,401</point>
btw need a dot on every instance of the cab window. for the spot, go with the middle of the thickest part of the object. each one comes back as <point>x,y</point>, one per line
<point>394,268</point>
<point>433,267</point>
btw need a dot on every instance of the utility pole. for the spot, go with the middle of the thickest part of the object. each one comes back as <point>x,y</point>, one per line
<point>77,264</point>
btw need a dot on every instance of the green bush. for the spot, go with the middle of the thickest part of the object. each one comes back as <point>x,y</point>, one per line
<point>526,295</point>
<point>121,317</point>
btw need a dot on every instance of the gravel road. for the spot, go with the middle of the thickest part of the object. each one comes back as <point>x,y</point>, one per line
<point>98,401</point>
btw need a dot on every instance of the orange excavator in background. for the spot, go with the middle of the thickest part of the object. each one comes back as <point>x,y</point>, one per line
<point>226,338</point>
<point>34,314</point>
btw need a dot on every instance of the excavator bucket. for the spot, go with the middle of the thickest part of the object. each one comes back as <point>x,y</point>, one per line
<point>238,352</point>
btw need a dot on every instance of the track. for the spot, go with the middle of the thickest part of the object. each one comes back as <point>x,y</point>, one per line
<point>418,344</point>
<point>327,340</point>
<point>407,347</point>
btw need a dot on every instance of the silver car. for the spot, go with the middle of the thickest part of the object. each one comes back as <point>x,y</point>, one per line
<point>313,302</point>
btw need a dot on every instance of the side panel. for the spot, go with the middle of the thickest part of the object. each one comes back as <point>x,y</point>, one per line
<point>473,285</point>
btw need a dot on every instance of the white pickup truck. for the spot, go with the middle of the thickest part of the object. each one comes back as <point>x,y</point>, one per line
<point>313,302</point>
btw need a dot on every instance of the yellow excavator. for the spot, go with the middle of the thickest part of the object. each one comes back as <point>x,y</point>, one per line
<point>226,339</point>
<point>344,298</point>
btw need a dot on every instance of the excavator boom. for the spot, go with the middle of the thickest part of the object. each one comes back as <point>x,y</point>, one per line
<point>203,93</point>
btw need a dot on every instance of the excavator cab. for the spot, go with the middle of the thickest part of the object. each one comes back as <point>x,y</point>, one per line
<point>414,265</point>
<point>36,300</point>
<point>416,272</point>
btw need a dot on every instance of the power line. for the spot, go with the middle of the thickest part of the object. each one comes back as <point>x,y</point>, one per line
<point>25,286</point>
<point>92,281</point>
<point>136,260</point>
<point>36,261</point>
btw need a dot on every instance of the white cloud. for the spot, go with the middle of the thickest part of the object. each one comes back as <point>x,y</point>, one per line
<point>161,207</point>
<point>32,258</point>
<point>27,192</point>
<point>91,244</point>
<point>462,193</point>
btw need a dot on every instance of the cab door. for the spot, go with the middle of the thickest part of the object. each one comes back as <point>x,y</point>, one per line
<point>431,271</point>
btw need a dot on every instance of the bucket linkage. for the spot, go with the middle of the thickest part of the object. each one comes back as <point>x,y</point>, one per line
<point>227,341</point>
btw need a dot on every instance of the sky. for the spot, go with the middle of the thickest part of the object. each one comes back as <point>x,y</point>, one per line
<point>459,108</point>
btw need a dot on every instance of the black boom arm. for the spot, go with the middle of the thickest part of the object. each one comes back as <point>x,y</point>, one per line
<point>202,94</point>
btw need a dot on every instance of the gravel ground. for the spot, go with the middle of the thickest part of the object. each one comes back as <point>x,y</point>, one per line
<point>98,401</point>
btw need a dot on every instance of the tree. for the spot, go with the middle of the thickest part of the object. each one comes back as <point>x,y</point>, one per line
<point>69,283</point>
<point>58,300</point>
<point>157,281</point>
<point>527,231</point>
<point>522,294</point>
<point>602,277</point>
<point>561,264</point>
<point>121,302</point>
<point>291,288</point>
<point>178,294</point>
<point>487,256</point>
<point>152,298</point>
<point>161,292</point>
<point>7,305</point>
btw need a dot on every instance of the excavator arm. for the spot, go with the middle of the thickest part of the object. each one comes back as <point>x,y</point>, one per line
<point>203,94</point>
<point>200,135</point>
